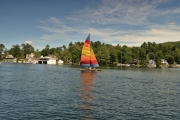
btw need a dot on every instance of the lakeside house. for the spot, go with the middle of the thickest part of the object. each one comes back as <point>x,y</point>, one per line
<point>47,60</point>
<point>152,64</point>
<point>51,59</point>
<point>10,58</point>
<point>35,60</point>
<point>164,63</point>
<point>60,62</point>
<point>30,58</point>
<point>21,61</point>
<point>175,65</point>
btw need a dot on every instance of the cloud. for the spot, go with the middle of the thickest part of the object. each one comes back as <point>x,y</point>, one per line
<point>158,34</point>
<point>131,12</point>
<point>125,22</point>
<point>154,33</point>
<point>28,42</point>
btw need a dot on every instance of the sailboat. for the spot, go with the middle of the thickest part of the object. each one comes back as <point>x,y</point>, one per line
<point>88,58</point>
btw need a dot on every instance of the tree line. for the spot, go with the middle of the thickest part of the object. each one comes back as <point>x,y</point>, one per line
<point>106,54</point>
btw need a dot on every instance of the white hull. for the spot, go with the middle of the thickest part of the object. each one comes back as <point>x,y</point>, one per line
<point>93,70</point>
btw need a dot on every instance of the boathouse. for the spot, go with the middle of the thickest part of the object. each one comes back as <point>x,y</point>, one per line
<point>47,60</point>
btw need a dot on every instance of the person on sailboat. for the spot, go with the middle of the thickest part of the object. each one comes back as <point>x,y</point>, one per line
<point>89,68</point>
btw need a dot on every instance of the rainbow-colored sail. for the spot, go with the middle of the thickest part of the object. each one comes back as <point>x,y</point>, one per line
<point>88,57</point>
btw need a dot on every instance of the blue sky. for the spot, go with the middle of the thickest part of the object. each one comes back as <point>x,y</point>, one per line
<point>59,22</point>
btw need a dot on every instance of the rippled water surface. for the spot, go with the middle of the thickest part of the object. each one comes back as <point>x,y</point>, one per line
<point>52,92</point>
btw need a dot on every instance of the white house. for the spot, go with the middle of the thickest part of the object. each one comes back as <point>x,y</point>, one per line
<point>30,55</point>
<point>164,62</point>
<point>152,63</point>
<point>47,60</point>
<point>29,58</point>
<point>60,62</point>
<point>9,58</point>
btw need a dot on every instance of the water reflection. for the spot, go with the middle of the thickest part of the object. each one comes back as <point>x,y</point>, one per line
<point>87,85</point>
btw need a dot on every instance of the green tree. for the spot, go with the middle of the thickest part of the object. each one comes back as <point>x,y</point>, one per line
<point>1,50</point>
<point>113,56</point>
<point>176,54</point>
<point>27,49</point>
<point>170,59</point>
<point>142,56</point>
<point>66,56</point>
<point>127,53</point>
<point>6,52</point>
<point>75,50</point>
<point>16,51</point>
<point>103,55</point>
<point>46,51</point>
<point>37,54</point>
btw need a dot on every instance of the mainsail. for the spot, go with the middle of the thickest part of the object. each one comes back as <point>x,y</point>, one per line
<point>88,57</point>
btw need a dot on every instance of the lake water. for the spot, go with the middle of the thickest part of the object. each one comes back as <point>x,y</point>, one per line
<point>56,92</point>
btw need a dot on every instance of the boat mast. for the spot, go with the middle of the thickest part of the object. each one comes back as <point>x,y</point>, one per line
<point>90,49</point>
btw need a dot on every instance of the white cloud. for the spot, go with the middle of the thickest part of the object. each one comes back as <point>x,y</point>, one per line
<point>28,42</point>
<point>131,12</point>
<point>158,34</point>
<point>154,33</point>
<point>114,14</point>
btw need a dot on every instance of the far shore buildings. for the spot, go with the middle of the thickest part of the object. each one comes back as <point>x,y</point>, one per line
<point>10,58</point>
<point>30,58</point>
<point>47,60</point>
<point>51,59</point>
<point>164,62</point>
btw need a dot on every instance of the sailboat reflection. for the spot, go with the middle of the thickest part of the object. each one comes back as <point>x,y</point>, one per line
<point>87,85</point>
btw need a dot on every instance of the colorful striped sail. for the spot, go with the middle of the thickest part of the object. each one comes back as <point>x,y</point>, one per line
<point>87,56</point>
<point>93,60</point>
